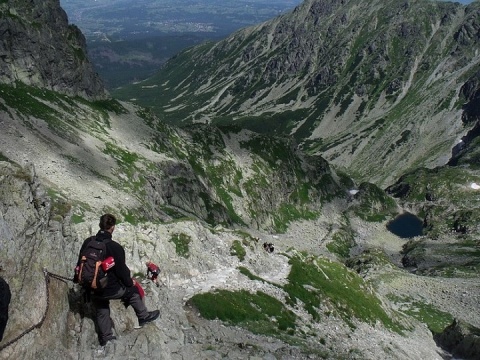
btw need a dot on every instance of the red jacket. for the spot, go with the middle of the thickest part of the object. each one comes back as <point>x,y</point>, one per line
<point>153,268</point>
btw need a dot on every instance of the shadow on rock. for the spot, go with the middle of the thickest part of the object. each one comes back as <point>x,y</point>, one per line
<point>80,303</point>
<point>5,297</point>
<point>461,339</point>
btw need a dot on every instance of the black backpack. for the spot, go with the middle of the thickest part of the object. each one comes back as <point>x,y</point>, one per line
<point>90,272</point>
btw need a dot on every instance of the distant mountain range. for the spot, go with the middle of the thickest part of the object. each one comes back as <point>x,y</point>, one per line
<point>378,88</point>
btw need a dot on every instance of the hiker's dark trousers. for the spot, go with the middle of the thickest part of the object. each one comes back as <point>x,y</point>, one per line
<point>129,296</point>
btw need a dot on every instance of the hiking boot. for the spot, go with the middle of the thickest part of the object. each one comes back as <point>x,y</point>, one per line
<point>104,341</point>
<point>152,315</point>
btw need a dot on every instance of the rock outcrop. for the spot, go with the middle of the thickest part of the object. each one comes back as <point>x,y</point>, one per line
<point>461,339</point>
<point>34,237</point>
<point>38,47</point>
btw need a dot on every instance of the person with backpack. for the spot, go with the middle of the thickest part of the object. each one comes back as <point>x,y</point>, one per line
<point>152,272</point>
<point>109,278</point>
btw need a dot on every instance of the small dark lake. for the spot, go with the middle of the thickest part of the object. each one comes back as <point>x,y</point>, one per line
<point>406,226</point>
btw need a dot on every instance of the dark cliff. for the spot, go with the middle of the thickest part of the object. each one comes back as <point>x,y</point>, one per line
<point>38,47</point>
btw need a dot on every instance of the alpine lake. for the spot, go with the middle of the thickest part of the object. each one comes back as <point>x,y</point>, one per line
<point>406,226</point>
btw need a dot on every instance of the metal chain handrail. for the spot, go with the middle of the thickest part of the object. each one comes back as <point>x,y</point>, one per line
<point>47,276</point>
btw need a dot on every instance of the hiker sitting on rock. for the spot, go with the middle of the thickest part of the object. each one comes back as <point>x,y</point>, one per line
<point>120,284</point>
<point>152,272</point>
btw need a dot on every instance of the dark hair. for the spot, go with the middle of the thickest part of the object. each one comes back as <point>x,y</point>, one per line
<point>107,221</point>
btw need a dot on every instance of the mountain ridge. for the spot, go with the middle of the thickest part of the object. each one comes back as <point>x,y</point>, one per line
<point>33,34</point>
<point>387,73</point>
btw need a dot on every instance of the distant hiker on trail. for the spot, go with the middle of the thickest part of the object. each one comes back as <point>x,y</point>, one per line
<point>119,284</point>
<point>152,272</point>
<point>268,247</point>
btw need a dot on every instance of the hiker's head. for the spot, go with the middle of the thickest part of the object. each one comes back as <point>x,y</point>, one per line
<point>107,222</point>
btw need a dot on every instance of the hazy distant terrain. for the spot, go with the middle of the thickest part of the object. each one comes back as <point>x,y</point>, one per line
<point>129,40</point>
<point>122,19</point>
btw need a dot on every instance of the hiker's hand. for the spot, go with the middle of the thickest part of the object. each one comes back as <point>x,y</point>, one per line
<point>75,276</point>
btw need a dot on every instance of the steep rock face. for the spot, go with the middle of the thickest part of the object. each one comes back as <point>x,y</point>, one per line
<point>93,151</point>
<point>33,237</point>
<point>471,92</point>
<point>461,339</point>
<point>38,47</point>
<point>243,178</point>
<point>366,84</point>
<point>176,184</point>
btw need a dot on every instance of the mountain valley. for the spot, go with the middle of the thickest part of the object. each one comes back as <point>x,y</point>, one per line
<point>364,84</point>
<point>128,42</point>
<point>257,138</point>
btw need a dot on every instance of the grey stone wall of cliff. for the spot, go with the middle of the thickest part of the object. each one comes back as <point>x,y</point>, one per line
<point>33,236</point>
<point>38,47</point>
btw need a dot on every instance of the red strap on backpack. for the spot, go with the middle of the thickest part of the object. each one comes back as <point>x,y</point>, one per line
<point>139,288</point>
